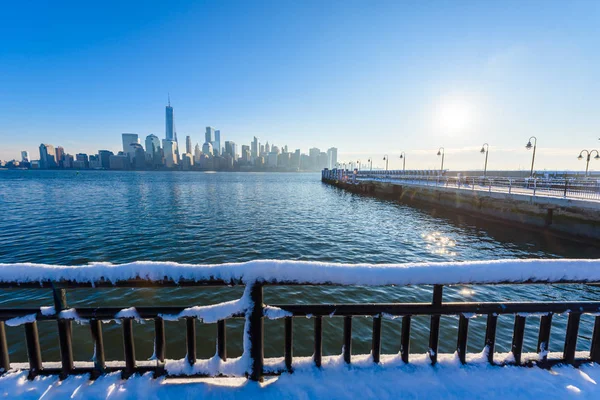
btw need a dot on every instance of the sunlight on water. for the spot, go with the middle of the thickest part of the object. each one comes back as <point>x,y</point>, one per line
<point>439,244</point>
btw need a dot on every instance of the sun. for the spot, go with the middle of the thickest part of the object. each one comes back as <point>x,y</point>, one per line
<point>454,115</point>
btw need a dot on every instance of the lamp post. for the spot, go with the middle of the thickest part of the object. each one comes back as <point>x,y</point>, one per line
<point>403,157</point>
<point>386,159</point>
<point>441,152</point>
<point>358,162</point>
<point>589,155</point>
<point>370,161</point>
<point>485,149</point>
<point>528,147</point>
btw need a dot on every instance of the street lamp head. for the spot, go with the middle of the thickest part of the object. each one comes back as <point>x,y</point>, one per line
<point>439,153</point>
<point>384,158</point>
<point>580,157</point>
<point>597,157</point>
<point>401,156</point>
<point>482,150</point>
<point>528,146</point>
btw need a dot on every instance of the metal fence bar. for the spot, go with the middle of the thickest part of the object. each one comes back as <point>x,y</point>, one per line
<point>289,340</point>
<point>347,339</point>
<point>318,355</point>
<point>405,338</point>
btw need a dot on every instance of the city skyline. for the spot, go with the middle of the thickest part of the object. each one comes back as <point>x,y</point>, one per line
<point>451,74</point>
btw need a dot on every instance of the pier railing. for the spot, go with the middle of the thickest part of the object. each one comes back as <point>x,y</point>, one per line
<point>575,188</point>
<point>254,311</point>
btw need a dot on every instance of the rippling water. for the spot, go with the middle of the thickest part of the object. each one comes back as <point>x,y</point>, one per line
<point>69,217</point>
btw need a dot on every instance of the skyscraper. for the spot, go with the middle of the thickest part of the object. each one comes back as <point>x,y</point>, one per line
<point>209,135</point>
<point>255,148</point>
<point>24,156</point>
<point>169,123</point>
<point>129,138</point>
<point>47,156</point>
<point>60,155</point>
<point>171,153</point>
<point>188,145</point>
<point>217,143</point>
<point>152,145</point>
<point>331,158</point>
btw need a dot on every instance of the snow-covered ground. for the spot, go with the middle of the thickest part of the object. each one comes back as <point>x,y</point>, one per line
<point>390,380</point>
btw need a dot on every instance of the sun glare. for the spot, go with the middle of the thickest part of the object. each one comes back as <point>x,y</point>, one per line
<point>454,115</point>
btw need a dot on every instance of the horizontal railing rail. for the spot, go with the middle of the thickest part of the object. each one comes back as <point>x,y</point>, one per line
<point>252,309</point>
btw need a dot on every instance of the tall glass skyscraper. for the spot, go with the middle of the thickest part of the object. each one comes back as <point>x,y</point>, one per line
<point>170,130</point>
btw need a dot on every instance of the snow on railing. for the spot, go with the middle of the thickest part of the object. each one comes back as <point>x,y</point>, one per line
<point>308,272</point>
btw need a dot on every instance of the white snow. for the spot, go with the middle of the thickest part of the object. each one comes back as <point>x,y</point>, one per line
<point>21,320</point>
<point>211,313</point>
<point>472,272</point>
<point>48,311</point>
<point>71,314</point>
<point>130,312</point>
<point>391,379</point>
<point>276,312</point>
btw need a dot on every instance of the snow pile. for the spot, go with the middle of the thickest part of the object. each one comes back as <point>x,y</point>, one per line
<point>317,272</point>
<point>390,380</point>
<point>212,313</point>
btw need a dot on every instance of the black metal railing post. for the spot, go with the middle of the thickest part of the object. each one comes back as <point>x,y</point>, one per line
<point>4,358</point>
<point>544,336</point>
<point>490,336</point>
<point>99,362</point>
<point>288,350</point>
<point>255,330</point>
<point>33,349</point>
<point>434,326</point>
<point>64,333</point>
<point>405,338</point>
<point>222,339</point>
<point>347,339</point>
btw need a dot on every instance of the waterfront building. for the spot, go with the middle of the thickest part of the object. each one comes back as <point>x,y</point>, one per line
<point>82,160</point>
<point>25,156</point>
<point>255,148</point>
<point>322,161</point>
<point>245,154</point>
<point>95,162</point>
<point>272,160</point>
<point>217,143</point>
<point>129,138</point>
<point>283,160</point>
<point>104,156</point>
<point>60,155</point>
<point>171,153</point>
<point>231,149</point>
<point>331,157</point>
<point>295,160</point>
<point>169,122</point>
<point>47,156</point>
<point>197,153</point>
<point>188,144</point>
<point>152,146</point>
<point>119,161</point>
<point>68,161</point>
<point>267,147</point>
<point>187,161</point>
<point>207,149</point>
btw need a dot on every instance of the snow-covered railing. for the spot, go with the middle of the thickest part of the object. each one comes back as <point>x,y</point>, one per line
<point>256,276</point>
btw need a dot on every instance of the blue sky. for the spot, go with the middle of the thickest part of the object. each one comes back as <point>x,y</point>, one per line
<point>369,77</point>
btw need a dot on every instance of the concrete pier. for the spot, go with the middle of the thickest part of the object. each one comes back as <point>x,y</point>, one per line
<point>577,219</point>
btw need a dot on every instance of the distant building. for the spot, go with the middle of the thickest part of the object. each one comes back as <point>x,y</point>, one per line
<point>68,161</point>
<point>169,122</point>
<point>207,149</point>
<point>152,146</point>
<point>245,155</point>
<point>217,143</point>
<point>188,145</point>
<point>104,156</point>
<point>255,148</point>
<point>129,138</point>
<point>267,147</point>
<point>295,160</point>
<point>231,149</point>
<point>24,156</point>
<point>81,161</point>
<point>187,161</point>
<point>95,162</point>
<point>331,158</point>
<point>47,156</point>
<point>197,153</point>
<point>60,155</point>
<point>272,160</point>
<point>119,161</point>
<point>170,153</point>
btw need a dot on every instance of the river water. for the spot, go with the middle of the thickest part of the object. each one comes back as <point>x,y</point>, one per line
<point>71,217</point>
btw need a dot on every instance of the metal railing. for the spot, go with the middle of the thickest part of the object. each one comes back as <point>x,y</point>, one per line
<point>581,189</point>
<point>254,316</point>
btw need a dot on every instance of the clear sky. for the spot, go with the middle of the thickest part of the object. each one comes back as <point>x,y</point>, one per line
<point>368,77</point>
